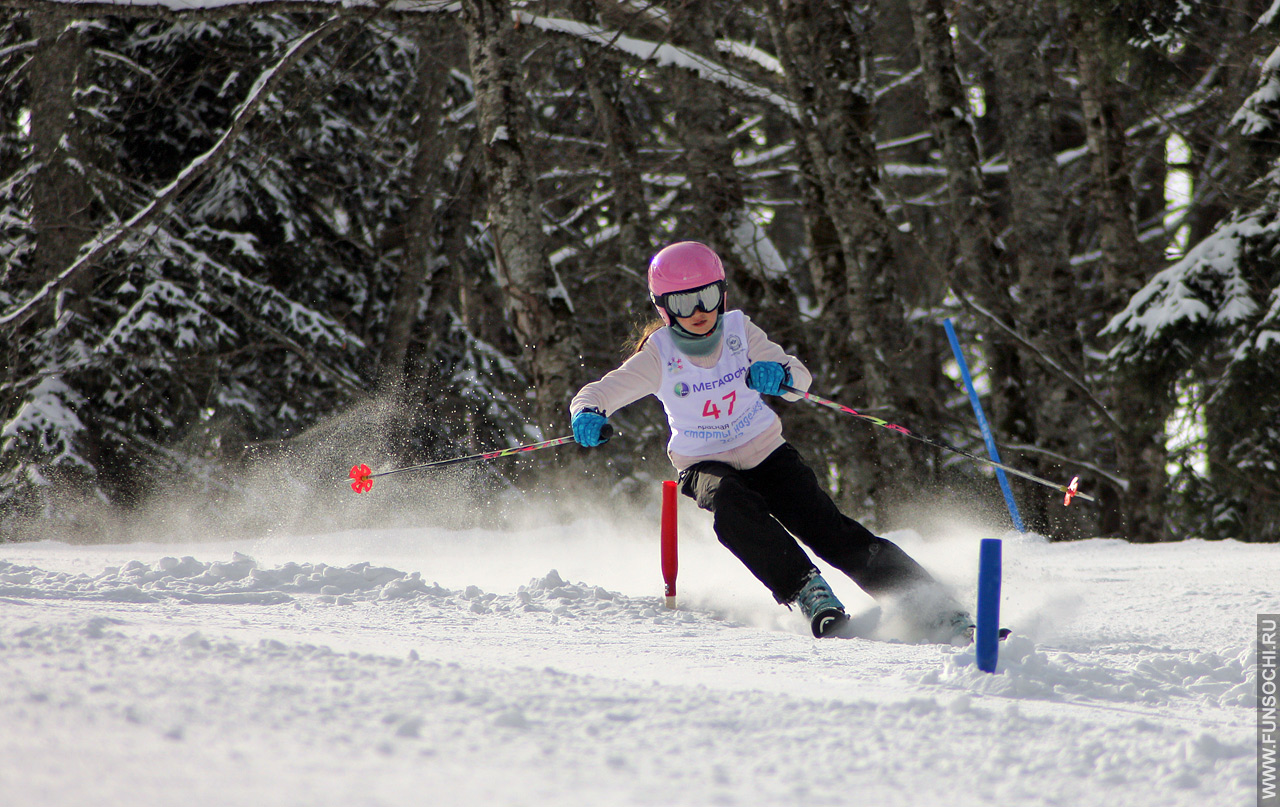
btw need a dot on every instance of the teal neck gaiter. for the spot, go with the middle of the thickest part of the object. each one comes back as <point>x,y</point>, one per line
<point>693,345</point>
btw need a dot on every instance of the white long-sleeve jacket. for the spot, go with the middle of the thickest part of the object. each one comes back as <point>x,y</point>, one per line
<point>641,375</point>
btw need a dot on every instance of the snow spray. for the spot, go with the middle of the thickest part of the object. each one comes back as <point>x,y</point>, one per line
<point>670,554</point>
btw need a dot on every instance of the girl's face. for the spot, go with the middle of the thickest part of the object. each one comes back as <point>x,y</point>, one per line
<point>700,323</point>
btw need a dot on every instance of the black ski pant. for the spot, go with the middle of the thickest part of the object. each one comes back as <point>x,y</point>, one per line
<point>759,510</point>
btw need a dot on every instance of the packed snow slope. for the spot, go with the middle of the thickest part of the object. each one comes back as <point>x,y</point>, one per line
<point>538,666</point>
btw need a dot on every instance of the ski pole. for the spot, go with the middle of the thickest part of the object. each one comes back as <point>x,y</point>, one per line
<point>1071,490</point>
<point>362,478</point>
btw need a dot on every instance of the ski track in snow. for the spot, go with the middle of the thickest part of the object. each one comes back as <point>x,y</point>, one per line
<point>195,674</point>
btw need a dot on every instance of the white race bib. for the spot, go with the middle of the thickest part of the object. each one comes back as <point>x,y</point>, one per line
<point>711,409</point>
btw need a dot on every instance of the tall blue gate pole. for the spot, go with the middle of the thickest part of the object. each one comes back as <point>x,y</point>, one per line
<point>992,451</point>
<point>986,642</point>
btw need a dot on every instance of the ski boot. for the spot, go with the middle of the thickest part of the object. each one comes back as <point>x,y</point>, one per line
<point>960,629</point>
<point>819,605</point>
<point>957,628</point>
<point>953,626</point>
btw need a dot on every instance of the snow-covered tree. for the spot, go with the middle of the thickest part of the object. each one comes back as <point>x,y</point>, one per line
<point>224,225</point>
<point>249,308</point>
<point>1211,322</point>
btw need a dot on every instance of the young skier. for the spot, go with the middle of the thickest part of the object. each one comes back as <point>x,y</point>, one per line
<point>709,367</point>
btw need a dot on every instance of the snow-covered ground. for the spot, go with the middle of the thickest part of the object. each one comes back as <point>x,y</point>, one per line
<point>538,666</point>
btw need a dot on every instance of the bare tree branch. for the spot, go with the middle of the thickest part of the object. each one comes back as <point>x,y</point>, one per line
<point>104,241</point>
<point>182,9</point>
<point>1047,361</point>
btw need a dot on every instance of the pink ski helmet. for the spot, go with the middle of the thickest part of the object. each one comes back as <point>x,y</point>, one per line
<point>683,266</point>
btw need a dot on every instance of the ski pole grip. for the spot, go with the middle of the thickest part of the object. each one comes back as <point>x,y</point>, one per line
<point>606,431</point>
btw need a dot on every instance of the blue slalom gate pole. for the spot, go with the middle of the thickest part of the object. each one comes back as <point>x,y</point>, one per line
<point>986,644</point>
<point>992,451</point>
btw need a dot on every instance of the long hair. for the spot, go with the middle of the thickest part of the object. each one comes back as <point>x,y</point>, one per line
<point>641,335</point>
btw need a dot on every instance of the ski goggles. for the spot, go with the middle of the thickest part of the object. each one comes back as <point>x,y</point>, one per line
<point>685,303</point>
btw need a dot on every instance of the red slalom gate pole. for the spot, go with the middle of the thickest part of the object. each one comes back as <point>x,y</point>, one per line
<point>670,549</point>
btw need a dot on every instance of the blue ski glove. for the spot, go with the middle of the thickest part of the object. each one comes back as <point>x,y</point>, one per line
<point>767,377</point>
<point>588,425</point>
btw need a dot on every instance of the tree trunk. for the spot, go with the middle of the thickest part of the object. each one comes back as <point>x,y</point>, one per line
<point>419,260</point>
<point>1141,406</point>
<point>535,302</point>
<point>1113,194</point>
<point>59,196</point>
<point>607,88</point>
<point>834,362</point>
<point>984,268</point>
<point>819,43</point>
<point>1038,233</point>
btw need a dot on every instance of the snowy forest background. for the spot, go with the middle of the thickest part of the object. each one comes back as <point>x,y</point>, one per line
<point>309,235</point>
